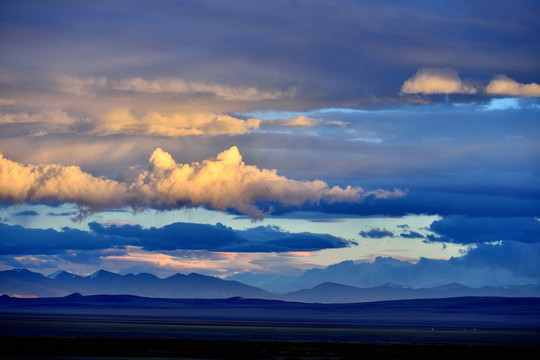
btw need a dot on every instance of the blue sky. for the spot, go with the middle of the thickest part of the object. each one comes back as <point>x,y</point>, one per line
<point>262,139</point>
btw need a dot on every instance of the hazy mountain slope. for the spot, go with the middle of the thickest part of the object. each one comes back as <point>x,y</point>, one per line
<point>23,282</point>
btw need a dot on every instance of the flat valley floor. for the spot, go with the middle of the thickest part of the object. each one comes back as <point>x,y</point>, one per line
<point>112,327</point>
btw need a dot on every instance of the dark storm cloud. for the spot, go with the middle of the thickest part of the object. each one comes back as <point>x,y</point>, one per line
<point>17,240</point>
<point>430,203</point>
<point>376,233</point>
<point>190,236</point>
<point>466,230</point>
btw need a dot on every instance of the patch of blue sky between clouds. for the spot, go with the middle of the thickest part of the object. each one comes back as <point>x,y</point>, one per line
<point>493,105</point>
<point>511,104</point>
<point>266,115</point>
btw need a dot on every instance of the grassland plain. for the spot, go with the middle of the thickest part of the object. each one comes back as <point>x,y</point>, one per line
<point>125,327</point>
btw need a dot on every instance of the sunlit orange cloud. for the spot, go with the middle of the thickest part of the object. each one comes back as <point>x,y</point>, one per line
<point>197,260</point>
<point>122,121</point>
<point>298,121</point>
<point>223,183</point>
<point>220,264</point>
<point>299,253</point>
<point>503,85</point>
<point>436,81</point>
<point>30,259</point>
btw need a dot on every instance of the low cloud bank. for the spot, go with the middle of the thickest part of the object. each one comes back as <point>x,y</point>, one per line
<point>509,263</point>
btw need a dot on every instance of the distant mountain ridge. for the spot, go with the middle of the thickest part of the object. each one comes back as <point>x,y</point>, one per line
<point>22,282</point>
<point>25,282</point>
<point>329,292</point>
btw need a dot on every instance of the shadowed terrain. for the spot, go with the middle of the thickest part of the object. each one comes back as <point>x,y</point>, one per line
<point>125,326</point>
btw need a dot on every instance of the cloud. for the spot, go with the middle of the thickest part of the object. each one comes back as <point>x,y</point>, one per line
<point>56,183</point>
<point>466,230</point>
<point>66,213</point>
<point>121,121</point>
<point>17,240</point>
<point>429,81</point>
<point>303,121</point>
<point>189,236</point>
<point>411,235</point>
<point>78,85</point>
<point>504,86</point>
<point>90,85</point>
<point>40,123</point>
<point>297,121</point>
<point>376,233</point>
<point>221,184</point>
<point>59,117</point>
<point>509,263</point>
<point>337,123</point>
<point>27,213</point>
<point>180,86</point>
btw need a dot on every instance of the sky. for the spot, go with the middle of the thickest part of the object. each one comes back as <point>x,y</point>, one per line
<point>279,143</point>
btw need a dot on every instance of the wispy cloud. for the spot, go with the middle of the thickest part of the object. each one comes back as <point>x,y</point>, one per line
<point>122,121</point>
<point>178,85</point>
<point>79,85</point>
<point>85,85</point>
<point>41,122</point>
<point>297,121</point>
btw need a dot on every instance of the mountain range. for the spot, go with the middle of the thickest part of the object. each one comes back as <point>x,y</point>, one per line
<point>25,283</point>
